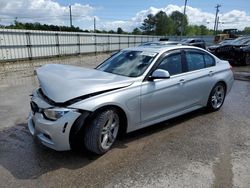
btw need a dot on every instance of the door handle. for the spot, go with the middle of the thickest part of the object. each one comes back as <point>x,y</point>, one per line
<point>211,73</point>
<point>181,81</point>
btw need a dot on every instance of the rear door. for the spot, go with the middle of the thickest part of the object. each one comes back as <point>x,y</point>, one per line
<point>199,78</point>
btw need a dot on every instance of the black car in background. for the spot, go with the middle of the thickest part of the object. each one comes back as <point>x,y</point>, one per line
<point>194,42</point>
<point>236,51</point>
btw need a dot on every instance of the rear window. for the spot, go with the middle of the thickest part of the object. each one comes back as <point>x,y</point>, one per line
<point>195,61</point>
<point>209,60</point>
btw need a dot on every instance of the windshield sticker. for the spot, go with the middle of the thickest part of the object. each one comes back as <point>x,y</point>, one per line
<point>150,54</point>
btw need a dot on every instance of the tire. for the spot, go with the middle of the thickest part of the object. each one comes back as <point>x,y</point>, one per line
<point>216,97</point>
<point>247,59</point>
<point>102,131</point>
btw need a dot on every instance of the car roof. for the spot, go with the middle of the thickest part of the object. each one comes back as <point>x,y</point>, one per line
<point>152,43</point>
<point>187,40</point>
<point>160,48</point>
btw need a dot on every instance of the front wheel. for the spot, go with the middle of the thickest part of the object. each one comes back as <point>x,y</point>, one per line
<point>102,131</point>
<point>217,97</point>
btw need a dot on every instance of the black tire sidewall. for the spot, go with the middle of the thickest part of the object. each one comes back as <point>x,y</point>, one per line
<point>92,138</point>
<point>247,59</point>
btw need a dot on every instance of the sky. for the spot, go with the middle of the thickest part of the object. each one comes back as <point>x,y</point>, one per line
<point>127,14</point>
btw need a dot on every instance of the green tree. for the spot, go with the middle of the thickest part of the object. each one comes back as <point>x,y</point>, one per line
<point>193,30</point>
<point>136,31</point>
<point>45,27</point>
<point>163,24</point>
<point>246,30</point>
<point>203,29</point>
<point>119,30</point>
<point>111,31</point>
<point>177,18</point>
<point>148,25</point>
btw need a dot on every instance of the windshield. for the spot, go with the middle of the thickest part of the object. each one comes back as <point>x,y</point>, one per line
<point>225,42</point>
<point>128,63</point>
<point>240,41</point>
<point>185,40</point>
<point>152,44</point>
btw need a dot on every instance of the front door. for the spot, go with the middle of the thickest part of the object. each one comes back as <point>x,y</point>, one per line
<point>163,97</point>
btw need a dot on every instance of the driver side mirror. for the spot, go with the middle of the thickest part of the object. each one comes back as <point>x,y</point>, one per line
<point>159,74</point>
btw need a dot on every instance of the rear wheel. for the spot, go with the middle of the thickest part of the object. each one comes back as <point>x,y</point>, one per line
<point>217,97</point>
<point>102,131</point>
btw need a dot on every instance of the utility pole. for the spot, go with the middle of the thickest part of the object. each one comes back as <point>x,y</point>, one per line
<point>217,24</point>
<point>70,16</point>
<point>94,24</point>
<point>184,14</point>
<point>216,18</point>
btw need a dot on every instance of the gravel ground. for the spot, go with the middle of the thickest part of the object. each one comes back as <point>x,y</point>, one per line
<point>195,150</point>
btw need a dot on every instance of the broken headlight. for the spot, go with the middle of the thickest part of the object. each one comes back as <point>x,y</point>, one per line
<point>56,113</point>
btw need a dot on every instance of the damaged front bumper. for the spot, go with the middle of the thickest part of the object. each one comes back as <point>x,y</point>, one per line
<point>53,134</point>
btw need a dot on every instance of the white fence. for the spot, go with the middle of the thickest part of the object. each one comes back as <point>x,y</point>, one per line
<point>25,44</point>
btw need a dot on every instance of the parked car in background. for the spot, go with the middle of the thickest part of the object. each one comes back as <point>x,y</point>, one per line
<point>236,51</point>
<point>159,43</point>
<point>164,39</point>
<point>224,42</point>
<point>194,42</point>
<point>132,89</point>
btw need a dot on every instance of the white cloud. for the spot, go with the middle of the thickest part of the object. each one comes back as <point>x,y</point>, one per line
<point>233,19</point>
<point>43,11</point>
<point>51,12</point>
<point>125,25</point>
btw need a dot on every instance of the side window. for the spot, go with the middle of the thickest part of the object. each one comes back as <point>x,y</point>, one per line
<point>172,64</point>
<point>195,61</point>
<point>209,60</point>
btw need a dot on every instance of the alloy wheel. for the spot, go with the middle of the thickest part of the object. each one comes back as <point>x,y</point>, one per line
<point>109,130</point>
<point>218,96</point>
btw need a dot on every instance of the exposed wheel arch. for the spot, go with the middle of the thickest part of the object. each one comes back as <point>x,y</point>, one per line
<point>224,83</point>
<point>121,113</point>
<point>77,130</point>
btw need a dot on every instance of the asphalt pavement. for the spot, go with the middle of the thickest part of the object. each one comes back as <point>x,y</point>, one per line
<point>198,149</point>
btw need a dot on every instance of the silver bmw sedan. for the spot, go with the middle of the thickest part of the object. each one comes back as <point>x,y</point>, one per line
<point>134,88</point>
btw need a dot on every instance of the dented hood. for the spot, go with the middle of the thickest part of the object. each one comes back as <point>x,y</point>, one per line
<point>61,83</point>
